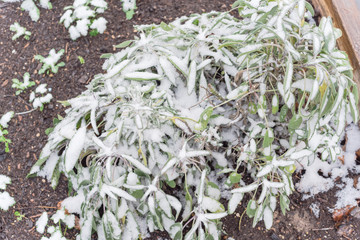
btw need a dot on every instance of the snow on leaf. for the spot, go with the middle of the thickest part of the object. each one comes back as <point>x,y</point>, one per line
<point>203,64</point>
<point>288,74</point>
<point>74,149</point>
<point>176,231</point>
<point>163,203</point>
<point>169,165</point>
<point>211,205</point>
<point>93,120</point>
<point>132,227</point>
<point>110,190</point>
<point>201,187</point>
<point>4,180</point>
<point>151,204</point>
<point>42,222</point>
<point>142,76</point>
<point>199,153</point>
<point>234,202</point>
<point>111,222</point>
<point>179,64</point>
<point>301,8</point>
<point>175,203</point>
<point>248,188</point>
<point>191,233</point>
<point>168,69</point>
<point>301,154</point>
<point>137,164</point>
<point>192,78</point>
<point>251,48</point>
<point>269,184</point>
<point>117,68</point>
<point>213,216</point>
<point>265,170</point>
<point>237,92</point>
<point>6,201</point>
<point>268,217</point>
<point>5,119</point>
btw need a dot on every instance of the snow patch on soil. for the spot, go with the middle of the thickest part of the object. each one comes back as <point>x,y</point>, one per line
<point>322,176</point>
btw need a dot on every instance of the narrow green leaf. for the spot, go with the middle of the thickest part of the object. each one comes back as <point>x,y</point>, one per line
<point>295,123</point>
<point>165,27</point>
<point>123,44</point>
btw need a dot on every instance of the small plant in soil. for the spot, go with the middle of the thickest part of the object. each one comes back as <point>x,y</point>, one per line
<point>6,200</point>
<point>19,31</point>
<point>5,119</point>
<point>129,7</point>
<point>82,17</point>
<point>81,60</point>
<point>198,113</point>
<point>18,215</point>
<point>31,6</point>
<point>40,97</point>
<point>50,62</point>
<point>22,86</point>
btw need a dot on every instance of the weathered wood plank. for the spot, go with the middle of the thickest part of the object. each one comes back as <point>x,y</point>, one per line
<point>346,16</point>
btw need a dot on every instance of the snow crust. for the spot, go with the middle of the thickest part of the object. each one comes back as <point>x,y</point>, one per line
<point>313,183</point>
<point>42,222</point>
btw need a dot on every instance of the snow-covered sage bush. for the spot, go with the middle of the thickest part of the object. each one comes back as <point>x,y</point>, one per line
<point>19,31</point>
<point>22,86</point>
<point>199,113</point>
<point>6,200</point>
<point>31,6</point>
<point>50,62</point>
<point>82,16</point>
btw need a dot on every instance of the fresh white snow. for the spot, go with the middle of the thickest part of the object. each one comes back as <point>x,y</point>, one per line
<point>42,222</point>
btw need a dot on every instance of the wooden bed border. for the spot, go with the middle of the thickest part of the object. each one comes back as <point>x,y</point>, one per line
<point>346,16</point>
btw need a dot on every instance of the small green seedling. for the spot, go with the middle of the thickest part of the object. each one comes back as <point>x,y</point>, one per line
<point>81,59</point>
<point>22,86</point>
<point>50,62</point>
<point>19,216</point>
<point>4,123</point>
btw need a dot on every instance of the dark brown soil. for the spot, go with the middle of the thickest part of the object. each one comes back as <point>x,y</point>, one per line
<point>33,196</point>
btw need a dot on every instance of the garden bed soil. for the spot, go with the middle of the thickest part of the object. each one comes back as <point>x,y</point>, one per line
<point>34,195</point>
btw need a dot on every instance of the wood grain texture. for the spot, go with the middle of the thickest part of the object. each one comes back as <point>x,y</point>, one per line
<point>346,16</point>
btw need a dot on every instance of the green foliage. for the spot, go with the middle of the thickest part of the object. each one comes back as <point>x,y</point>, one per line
<point>22,86</point>
<point>206,100</point>
<point>129,7</point>
<point>5,119</point>
<point>81,59</point>
<point>3,139</point>
<point>93,33</point>
<point>18,215</point>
